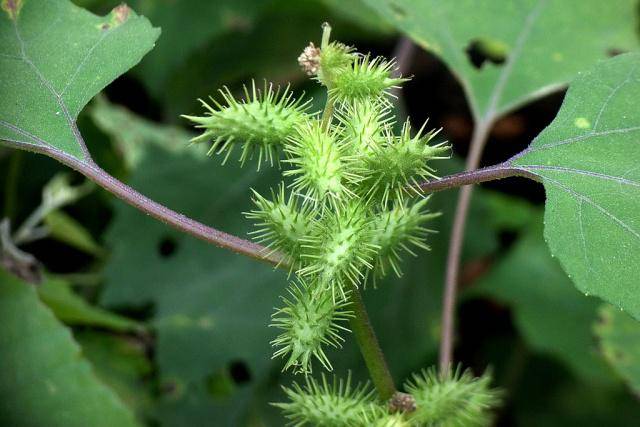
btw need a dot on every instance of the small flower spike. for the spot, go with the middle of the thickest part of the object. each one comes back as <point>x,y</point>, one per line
<point>258,123</point>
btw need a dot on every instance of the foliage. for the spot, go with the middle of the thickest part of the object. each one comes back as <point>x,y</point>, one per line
<point>163,329</point>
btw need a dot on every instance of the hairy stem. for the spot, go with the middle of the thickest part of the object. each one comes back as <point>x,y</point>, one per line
<point>160,212</point>
<point>370,348</point>
<point>478,141</point>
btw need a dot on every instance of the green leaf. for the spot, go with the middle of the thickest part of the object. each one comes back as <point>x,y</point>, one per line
<point>64,228</point>
<point>132,135</point>
<point>54,58</point>
<point>120,362</point>
<point>541,296</point>
<point>619,337</point>
<point>205,19</point>
<point>44,381</point>
<point>543,43</point>
<point>588,161</point>
<point>73,310</point>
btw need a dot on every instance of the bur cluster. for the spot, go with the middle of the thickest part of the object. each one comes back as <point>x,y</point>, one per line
<point>348,210</point>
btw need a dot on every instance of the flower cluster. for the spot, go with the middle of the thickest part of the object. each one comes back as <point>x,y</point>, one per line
<point>455,399</point>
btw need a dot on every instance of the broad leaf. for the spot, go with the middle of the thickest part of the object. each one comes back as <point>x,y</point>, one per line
<point>54,57</point>
<point>542,44</point>
<point>541,297</point>
<point>588,160</point>
<point>619,337</point>
<point>44,381</point>
<point>121,363</point>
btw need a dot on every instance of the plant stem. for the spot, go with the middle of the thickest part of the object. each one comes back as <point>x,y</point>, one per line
<point>91,170</point>
<point>478,141</point>
<point>370,348</point>
<point>490,173</point>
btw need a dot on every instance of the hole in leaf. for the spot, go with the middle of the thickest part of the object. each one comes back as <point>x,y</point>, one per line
<point>167,247</point>
<point>484,50</point>
<point>614,51</point>
<point>239,371</point>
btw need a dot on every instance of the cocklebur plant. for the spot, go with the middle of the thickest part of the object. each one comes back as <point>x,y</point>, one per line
<point>347,211</point>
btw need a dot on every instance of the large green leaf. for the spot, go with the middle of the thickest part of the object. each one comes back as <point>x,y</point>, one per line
<point>542,297</point>
<point>619,337</point>
<point>44,381</point>
<point>588,160</point>
<point>54,57</point>
<point>544,42</point>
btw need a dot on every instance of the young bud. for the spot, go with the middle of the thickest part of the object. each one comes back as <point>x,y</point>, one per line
<point>259,123</point>
<point>309,320</point>
<point>336,405</point>
<point>453,399</point>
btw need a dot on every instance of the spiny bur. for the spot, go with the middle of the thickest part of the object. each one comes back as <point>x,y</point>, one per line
<point>309,321</point>
<point>398,230</point>
<point>339,251</point>
<point>400,163</point>
<point>259,123</point>
<point>330,404</point>
<point>455,398</point>
<point>282,223</point>
<point>321,167</point>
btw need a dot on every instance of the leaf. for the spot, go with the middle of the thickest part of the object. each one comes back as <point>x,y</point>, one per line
<point>132,135</point>
<point>619,339</point>
<point>44,381</point>
<point>539,45</point>
<point>64,228</point>
<point>54,58</point>
<point>542,298</point>
<point>121,363</point>
<point>588,162</point>
<point>206,20</point>
<point>73,310</point>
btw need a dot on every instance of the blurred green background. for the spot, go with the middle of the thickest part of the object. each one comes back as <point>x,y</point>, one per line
<point>185,338</point>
